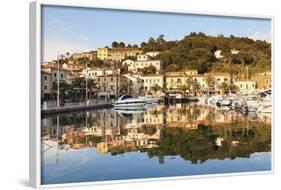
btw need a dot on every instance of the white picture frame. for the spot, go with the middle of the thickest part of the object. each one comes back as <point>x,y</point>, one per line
<point>35,86</point>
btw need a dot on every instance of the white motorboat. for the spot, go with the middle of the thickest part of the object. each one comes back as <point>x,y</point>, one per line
<point>128,102</point>
<point>252,104</point>
<point>149,99</point>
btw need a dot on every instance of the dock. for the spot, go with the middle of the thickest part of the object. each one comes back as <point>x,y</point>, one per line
<point>69,108</point>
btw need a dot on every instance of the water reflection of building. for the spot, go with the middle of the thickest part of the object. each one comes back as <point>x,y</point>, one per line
<point>119,131</point>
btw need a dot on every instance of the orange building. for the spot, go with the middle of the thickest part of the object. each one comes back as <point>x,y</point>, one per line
<point>263,80</point>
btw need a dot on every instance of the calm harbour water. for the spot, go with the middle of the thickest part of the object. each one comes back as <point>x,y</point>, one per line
<point>160,141</point>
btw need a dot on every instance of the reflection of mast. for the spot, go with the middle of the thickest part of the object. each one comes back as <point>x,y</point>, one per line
<point>86,125</point>
<point>104,127</point>
<point>57,155</point>
<point>165,109</point>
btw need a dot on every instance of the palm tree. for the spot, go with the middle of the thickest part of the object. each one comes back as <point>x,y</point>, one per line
<point>156,88</point>
<point>210,82</point>
<point>188,83</point>
<point>195,87</point>
<point>224,87</point>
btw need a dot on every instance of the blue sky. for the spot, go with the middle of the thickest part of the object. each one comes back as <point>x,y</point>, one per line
<point>80,29</point>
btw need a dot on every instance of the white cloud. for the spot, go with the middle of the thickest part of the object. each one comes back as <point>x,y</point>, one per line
<point>51,48</point>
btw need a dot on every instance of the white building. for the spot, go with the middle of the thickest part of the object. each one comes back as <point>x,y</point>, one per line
<point>135,84</point>
<point>143,61</point>
<point>150,81</point>
<point>246,86</point>
<point>96,71</point>
<point>218,54</point>
<point>234,51</point>
<point>62,73</point>
<point>143,57</point>
<point>152,53</point>
<point>46,84</point>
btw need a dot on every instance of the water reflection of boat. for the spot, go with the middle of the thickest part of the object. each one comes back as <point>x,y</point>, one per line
<point>127,101</point>
<point>128,112</point>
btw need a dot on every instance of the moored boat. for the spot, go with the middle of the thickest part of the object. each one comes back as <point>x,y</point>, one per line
<point>127,101</point>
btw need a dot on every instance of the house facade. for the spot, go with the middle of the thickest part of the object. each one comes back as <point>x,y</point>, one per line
<point>151,81</point>
<point>135,84</point>
<point>46,85</point>
<point>246,86</point>
<point>102,53</point>
<point>263,80</point>
<point>142,62</point>
<point>110,85</point>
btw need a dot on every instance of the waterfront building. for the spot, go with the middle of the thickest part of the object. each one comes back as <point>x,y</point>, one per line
<point>110,85</point>
<point>46,85</point>
<point>179,80</point>
<point>175,80</point>
<point>246,86</point>
<point>135,84</point>
<point>55,73</point>
<point>152,81</point>
<point>219,78</point>
<point>263,80</point>
<point>102,53</point>
<point>200,79</point>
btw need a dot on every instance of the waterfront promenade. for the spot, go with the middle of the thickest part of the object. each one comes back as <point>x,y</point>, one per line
<point>51,108</point>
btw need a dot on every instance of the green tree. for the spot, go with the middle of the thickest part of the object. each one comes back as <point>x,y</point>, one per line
<point>149,70</point>
<point>224,87</point>
<point>114,44</point>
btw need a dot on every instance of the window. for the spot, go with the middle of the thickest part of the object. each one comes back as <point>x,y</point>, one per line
<point>55,74</point>
<point>179,80</point>
<point>61,75</point>
<point>45,87</point>
<point>111,79</point>
<point>45,77</point>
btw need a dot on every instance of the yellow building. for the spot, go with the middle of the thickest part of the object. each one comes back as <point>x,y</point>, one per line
<point>102,53</point>
<point>219,78</point>
<point>263,80</point>
<point>177,80</point>
<point>119,54</point>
